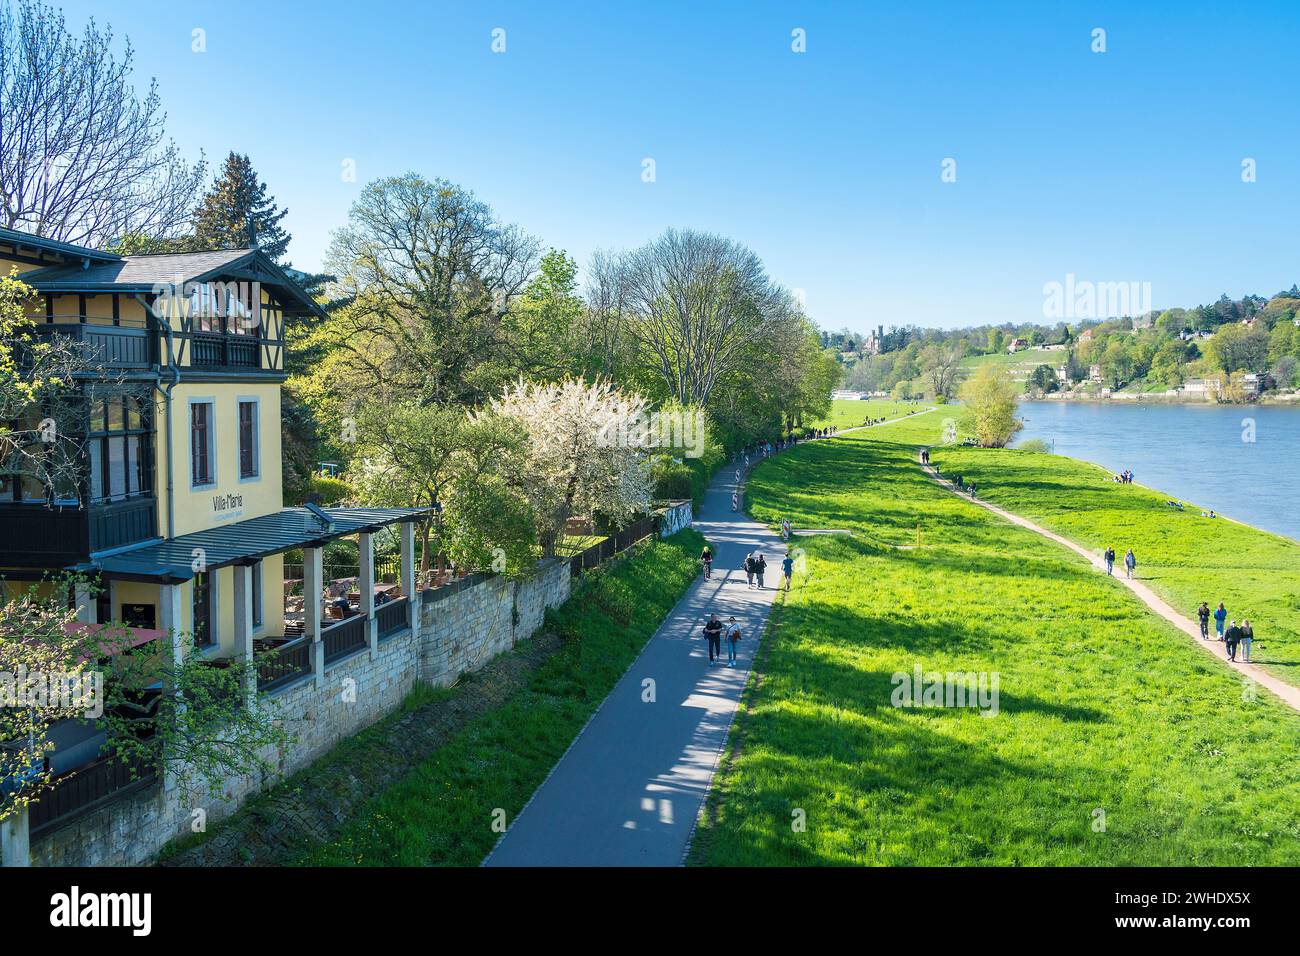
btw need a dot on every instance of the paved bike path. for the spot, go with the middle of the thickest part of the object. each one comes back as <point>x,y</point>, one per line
<point>629,790</point>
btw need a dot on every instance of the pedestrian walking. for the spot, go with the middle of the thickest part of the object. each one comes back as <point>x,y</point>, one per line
<point>1110,561</point>
<point>1203,615</point>
<point>733,637</point>
<point>749,569</point>
<point>1220,615</point>
<point>760,565</point>
<point>785,529</point>
<point>713,633</point>
<point>1231,639</point>
<point>787,568</point>
<point>1130,563</point>
<point>1247,639</point>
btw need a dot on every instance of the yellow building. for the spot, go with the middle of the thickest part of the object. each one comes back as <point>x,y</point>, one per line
<point>176,511</point>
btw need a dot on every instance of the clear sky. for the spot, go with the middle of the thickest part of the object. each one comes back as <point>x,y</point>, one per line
<point>1117,166</point>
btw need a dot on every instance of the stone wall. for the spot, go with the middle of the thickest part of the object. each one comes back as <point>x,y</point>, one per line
<point>463,630</point>
<point>675,517</point>
<point>459,629</point>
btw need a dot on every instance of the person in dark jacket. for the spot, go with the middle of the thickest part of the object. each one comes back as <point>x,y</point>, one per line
<point>760,566</point>
<point>1203,614</point>
<point>749,569</point>
<point>1247,639</point>
<point>1130,562</point>
<point>713,633</point>
<point>1110,561</point>
<point>1231,638</point>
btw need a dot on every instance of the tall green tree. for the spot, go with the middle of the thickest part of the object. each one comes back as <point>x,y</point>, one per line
<point>237,209</point>
<point>990,399</point>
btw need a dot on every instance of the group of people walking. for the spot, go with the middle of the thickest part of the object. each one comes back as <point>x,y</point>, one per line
<point>1130,562</point>
<point>1234,636</point>
<point>714,631</point>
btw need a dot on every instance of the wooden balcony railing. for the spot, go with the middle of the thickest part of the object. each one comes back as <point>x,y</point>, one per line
<point>283,663</point>
<point>116,347</point>
<point>219,350</point>
<point>87,789</point>
<point>343,638</point>
<point>391,617</point>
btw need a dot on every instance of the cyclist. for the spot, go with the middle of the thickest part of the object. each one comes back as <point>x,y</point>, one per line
<point>706,559</point>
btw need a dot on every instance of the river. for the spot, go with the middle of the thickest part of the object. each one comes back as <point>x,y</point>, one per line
<point>1241,460</point>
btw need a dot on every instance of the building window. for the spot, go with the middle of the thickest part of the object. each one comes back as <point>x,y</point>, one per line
<point>202,452</point>
<point>203,636</point>
<point>118,462</point>
<point>248,428</point>
<point>257,594</point>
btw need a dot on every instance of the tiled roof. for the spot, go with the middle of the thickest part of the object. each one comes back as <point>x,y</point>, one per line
<point>141,271</point>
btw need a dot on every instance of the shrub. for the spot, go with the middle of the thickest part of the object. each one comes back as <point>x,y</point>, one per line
<point>326,490</point>
<point>1035,445</point>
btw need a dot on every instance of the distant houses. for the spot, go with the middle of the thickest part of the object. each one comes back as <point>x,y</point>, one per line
<point>1203,387</point>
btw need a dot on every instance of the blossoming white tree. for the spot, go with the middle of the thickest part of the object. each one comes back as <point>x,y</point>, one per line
<point>585,452</point>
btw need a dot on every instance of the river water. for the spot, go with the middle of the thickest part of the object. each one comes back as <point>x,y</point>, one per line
<point>1241,460</point>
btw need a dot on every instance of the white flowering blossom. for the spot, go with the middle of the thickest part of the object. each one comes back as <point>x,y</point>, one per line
<point>582,455</point>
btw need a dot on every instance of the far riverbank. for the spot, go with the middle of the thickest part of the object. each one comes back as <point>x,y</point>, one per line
<point>1158,398</point>
<point>1238,460</point>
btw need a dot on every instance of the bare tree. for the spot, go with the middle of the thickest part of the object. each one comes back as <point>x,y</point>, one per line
<point>603,330</point>
<point>47,384</point>
<point>428,274</point>
<point>695,302</point>
<point>82,159</point>
<point>941,361</point>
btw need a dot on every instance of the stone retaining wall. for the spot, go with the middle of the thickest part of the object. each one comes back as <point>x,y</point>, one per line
<point>458,629</point>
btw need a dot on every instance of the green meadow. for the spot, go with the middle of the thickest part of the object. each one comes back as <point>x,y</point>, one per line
<point>1183,557</point>
<point>849,413</point>
<point>1115,740</point>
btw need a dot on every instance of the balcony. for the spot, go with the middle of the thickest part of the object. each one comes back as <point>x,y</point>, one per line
<point>116,347</point>
<point>39,536</point>
<point>219,350</point>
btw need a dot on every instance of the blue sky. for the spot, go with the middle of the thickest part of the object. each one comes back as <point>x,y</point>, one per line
<point>1115,166</point>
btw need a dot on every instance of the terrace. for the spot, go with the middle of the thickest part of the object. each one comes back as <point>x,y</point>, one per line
<point>352,614</point>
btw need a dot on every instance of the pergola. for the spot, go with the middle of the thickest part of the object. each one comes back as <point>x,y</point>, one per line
<point>240,545</point>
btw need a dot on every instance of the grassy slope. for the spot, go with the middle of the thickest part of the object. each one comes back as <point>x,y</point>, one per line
<point>1103,706</point>
<point>1182,556</point>
<point>1020,364</point>
<point>441,814</point>
<point>849,413</point>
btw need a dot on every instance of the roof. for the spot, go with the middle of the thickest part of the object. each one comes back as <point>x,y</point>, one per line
<point>18,238</point>
<point>244,542</point>
<point>144,273</point>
